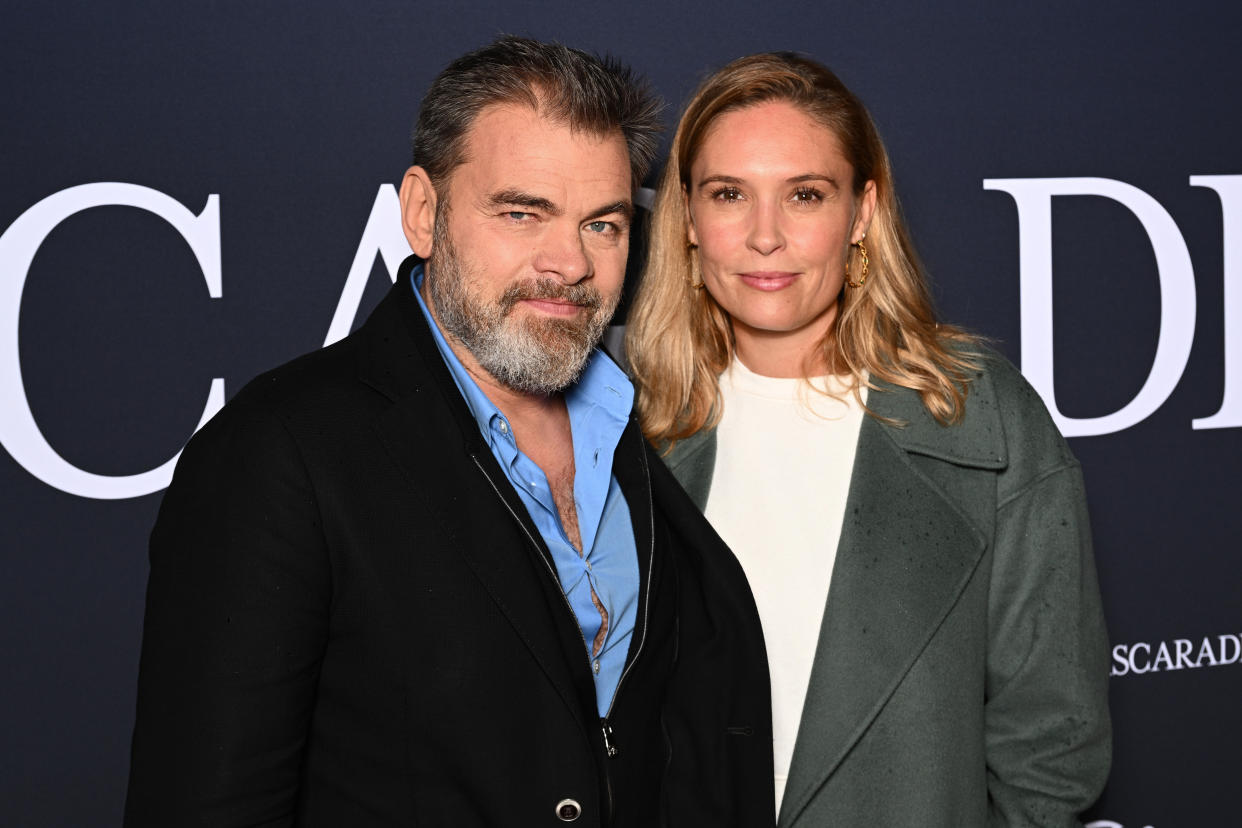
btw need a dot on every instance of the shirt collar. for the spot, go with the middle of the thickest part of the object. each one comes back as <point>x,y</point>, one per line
<point>602,386</point>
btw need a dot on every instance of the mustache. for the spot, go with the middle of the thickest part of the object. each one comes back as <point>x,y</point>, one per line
<point>580,294</point>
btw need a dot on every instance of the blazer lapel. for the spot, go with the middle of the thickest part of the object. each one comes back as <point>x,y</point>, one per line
<point>506,564</point>
<point>432,436</point>
<point>905,555</point>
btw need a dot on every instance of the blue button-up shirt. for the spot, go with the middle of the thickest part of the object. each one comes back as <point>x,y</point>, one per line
<point>599,406</point>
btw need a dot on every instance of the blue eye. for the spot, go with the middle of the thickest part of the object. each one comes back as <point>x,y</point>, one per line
<point>518,215</point>
<point>600,226</point>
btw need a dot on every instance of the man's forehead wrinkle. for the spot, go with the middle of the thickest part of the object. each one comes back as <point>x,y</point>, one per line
<point>549,112</point>
<point>516,156</point>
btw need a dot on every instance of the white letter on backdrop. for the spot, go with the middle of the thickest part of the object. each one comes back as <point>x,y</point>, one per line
<point>1229,188</point>
<point>382,235</point>
<point>19,433</point>
<point>1177,293</point>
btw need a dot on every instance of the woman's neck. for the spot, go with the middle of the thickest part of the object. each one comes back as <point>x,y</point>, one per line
<point>781,355</point>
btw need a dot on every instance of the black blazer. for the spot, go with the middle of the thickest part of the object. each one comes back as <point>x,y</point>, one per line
<point>352,620</point>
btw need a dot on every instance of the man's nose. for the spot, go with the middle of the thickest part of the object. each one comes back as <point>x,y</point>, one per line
<point>562,253</point>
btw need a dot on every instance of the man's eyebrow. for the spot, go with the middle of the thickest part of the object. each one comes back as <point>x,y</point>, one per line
<point>625,208</point>
<point>517,198</point>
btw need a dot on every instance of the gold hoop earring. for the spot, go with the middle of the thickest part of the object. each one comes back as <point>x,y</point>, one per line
<point>862,277</point>
<point>695,277</point>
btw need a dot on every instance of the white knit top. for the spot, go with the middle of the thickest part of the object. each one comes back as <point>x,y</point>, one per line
<point>785,453</point>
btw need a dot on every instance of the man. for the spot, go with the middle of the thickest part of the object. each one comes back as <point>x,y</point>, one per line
<point>432,575</point>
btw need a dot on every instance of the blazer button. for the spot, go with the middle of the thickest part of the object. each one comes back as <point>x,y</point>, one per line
<point>568,810</point>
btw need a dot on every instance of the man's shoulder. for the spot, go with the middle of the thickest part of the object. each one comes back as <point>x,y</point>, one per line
<point>279,402</point>
<point>299,390</point>
<point>373,361</point>
<point>305,379</point>
<point>325,390</point>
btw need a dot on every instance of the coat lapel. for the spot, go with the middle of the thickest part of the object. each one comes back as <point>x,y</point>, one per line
<point>692,461</point>
<point>906,553</point>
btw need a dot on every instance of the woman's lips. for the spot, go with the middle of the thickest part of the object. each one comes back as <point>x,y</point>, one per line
<point>769,279</point>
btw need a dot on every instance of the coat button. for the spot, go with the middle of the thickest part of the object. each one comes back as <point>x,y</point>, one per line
<point>568,810</point>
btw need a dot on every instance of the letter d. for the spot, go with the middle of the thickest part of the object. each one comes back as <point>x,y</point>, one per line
<point>1033,197</point>
<point>1229,638</point>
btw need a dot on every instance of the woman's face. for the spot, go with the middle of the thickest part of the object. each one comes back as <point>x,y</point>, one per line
<point>773,212</point>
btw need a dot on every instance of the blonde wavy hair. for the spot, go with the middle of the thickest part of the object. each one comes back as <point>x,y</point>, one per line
<point>678,339</point>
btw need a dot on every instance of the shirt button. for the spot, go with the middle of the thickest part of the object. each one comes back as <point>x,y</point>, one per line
<point>595,666</point>
<point>568,810</point>
<point>504,427</point>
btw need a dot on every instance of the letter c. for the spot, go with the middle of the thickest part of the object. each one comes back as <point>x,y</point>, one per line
<point>1146,665</point>
<point>19,433</point>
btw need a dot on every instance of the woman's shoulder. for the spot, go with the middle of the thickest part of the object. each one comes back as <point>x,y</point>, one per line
<point>685,450</point>
<point>1031,438</point>
<point>1001,384</point>
<point>1004,423</point>
<point>692,461</point>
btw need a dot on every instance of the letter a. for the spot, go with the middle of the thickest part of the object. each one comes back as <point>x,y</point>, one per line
<point>1205,651</point>
<point>1163,657</point>
<point>382,235</point>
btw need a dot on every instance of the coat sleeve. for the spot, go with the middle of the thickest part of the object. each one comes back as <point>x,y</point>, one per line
<point>1048,736</point>
<point>236,618</point>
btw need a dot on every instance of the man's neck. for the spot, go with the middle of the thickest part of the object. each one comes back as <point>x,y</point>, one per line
<point>517,406</point>
<point>541,427</point>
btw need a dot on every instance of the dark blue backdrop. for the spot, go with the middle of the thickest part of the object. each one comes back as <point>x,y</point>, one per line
<point>296,114</point>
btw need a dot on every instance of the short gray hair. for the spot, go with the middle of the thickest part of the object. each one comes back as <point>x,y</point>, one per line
<point>586,92</point>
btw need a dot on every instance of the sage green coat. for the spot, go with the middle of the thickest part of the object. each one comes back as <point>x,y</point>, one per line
<point>961,675</point>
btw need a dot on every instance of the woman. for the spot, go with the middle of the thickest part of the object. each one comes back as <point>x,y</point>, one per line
<point>912,525</point>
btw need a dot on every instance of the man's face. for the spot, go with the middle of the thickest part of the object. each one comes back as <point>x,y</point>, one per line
<point>529,250</point>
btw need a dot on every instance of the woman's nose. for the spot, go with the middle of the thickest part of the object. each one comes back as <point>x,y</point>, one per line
<point>765,234</point>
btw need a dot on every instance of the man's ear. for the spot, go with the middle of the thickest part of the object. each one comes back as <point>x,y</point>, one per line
<point>418,210</point>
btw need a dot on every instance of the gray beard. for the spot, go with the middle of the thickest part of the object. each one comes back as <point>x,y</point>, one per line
<point>536,356</point>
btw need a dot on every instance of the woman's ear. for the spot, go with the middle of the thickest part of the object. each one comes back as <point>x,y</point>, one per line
<point>866,209</point>
<point>692,238</point>
<point>418,210</point>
